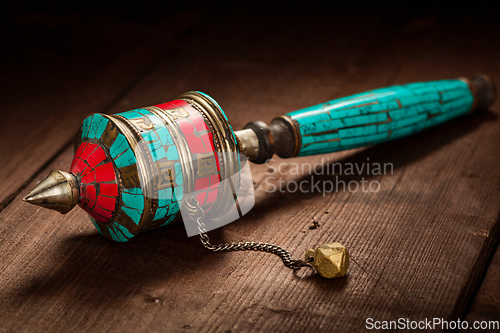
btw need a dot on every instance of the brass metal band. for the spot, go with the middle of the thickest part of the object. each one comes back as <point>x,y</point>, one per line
<point>183,150</point>
<point>483,90</point>
<point>493,86</point>
<point>181,144</point>
<point>294,138</point>
<point>473,91</point>
<point>143,165</point>
<point>225,144</point>
<point>73,186</point>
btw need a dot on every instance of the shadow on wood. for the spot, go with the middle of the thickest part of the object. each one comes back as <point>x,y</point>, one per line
<point>395,152</point>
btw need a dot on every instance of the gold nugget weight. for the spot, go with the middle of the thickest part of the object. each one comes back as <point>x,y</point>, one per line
<point>330,260</point>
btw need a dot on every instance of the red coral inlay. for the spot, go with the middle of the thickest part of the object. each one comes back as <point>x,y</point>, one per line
<point>90,178</point>
<point>110,190</point>
<point>96,217</point>
<point>186,127</point>
<point>77,154</point>
<point>199,123</point>
<point>96,157</point>
<point>105,213</point>
<point>201,197</point>
<point>202,184</point>
<point>200,141</point>
<point>212,195</point>
<point>106,202</point>
<point>172,104</point>
<point>195,144</point>
<point>88,150</point>
<point>78,166</point>
<point>105,173</point>
<point>90,192</point>
<point>207,142</point>
<point>214,181</point>
<point>97,198</point>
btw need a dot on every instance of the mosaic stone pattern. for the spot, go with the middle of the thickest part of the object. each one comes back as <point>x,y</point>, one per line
<point>112,185</point>
<point>98,181</point>
<point>102,158</point>
<point>200,143</point>
<point>380,115</point>
<point>168,180</point>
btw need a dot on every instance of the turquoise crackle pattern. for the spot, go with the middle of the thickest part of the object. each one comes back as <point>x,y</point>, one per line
<point>160,145</point>
<point>93,127</point>
<point>380,115</point>
<point>118,232</point>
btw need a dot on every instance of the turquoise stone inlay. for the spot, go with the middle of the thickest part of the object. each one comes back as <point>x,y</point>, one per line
<point>119,146</point>
<point>131,114</point>
<point>85,126</point>
<point>125,159</point>
<point>169,220</point>
<point>160,145</point>
<point>93,128</point>
<point>133,203</point>
<point>380,115</point>
<point>119,233</point>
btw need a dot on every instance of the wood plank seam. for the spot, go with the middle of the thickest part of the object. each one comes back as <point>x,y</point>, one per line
<point>478,273</point>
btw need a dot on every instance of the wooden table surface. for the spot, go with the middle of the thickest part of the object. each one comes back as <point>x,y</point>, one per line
<point>422,247</point>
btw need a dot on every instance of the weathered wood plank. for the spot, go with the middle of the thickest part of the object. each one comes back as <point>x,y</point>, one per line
<point>34,287</point>
<point>418,245</point>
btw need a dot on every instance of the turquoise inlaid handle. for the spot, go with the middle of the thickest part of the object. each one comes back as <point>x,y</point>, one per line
<point>380,115</point>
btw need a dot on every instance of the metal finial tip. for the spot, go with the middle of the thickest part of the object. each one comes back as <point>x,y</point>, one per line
<point>58,191</point>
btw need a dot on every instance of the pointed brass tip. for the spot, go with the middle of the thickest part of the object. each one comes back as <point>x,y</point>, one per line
<point>58,191</point>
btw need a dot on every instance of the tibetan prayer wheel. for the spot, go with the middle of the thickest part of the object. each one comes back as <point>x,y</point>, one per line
<point>133,171</point>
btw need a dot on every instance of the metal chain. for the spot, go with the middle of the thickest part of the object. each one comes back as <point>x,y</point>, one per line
<point>255,246</point>
<point>244,246</point>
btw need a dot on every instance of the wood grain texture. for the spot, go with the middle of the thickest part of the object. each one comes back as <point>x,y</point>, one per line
<point>486,305</point>
<point>420,245</point>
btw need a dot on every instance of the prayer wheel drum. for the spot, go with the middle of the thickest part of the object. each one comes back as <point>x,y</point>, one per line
<point>135,168</point>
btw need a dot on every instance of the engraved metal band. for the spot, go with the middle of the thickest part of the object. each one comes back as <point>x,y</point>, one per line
<point>225,144</point>
<point>144,168</point>
<point>182,148</point>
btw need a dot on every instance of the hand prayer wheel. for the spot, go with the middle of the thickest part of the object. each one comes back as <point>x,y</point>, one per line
<point>135,170</point>
<point>131,170</point>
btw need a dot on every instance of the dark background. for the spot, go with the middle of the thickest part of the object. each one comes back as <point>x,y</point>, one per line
<point>44,26</point>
